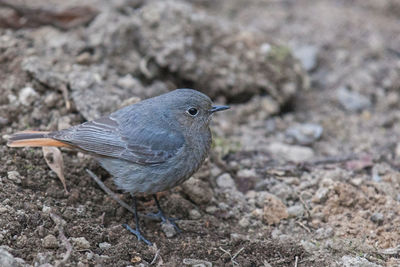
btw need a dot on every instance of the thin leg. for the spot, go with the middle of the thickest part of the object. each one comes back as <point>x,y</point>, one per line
<point>160,215</point>
<point>137,232</point>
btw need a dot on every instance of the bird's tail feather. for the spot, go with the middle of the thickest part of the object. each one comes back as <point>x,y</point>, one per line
<point>33,139</point>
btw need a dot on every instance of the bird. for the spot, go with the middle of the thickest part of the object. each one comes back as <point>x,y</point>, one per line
<point>147,147</point>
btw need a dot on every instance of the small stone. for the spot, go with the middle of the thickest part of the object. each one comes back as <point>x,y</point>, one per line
<point>127,82</point>
<point>377,218</point>
<point>6,259</point>
<point>291,152</point>
<point>247,173</point>
<point>197,263</point>
<point>194,214</point>
<point>244,222</point>
<point>350,261</point>
<point>63,123</point>
<point>51,99</point>
<point>46,209</point>
<point>80,243</point>
<point>168,229</point>
<point>323,233</point>
<point>211,209</point>
<point>130,101</point>
<point>304,134</point>
<point>274,210</point>
<point>352,100</point>
<point>356,181</point>
<point>307,55</point>
<point>14,176</point>
<point>198,190</point>
<point>104,245</point>
<point>295,211</point>
<point>85,58</point>
<point>50,241</point>
<point>321,195</point>
<point>225,181</point>
<point>27,96</point>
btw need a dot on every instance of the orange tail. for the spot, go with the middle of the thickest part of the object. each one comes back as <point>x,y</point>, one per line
<point>33,139</point>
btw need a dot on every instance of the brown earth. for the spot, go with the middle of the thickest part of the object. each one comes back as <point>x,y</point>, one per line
<point>269,194</point>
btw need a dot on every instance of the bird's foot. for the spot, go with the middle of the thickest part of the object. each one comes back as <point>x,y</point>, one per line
<point>138,234</point>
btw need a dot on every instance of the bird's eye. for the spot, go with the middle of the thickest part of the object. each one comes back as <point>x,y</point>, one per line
<point>192,111</point>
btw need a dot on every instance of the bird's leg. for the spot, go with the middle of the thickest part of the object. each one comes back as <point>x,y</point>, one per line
<point>161,216</point>
<point>137,232</point>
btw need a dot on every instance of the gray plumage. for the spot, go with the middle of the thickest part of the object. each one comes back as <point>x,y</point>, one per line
<point>150,146</point>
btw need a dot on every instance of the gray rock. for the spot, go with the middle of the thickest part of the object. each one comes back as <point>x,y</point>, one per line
<point>377,218</point>
<point>27,96</point>
<point>225,181</point>
<point>80,243</point>
<point>304,134</point>
<point>194,214</point>
<point>321,195</point>
<point>50,241</point>
<point>295,211</point>
<point>6,259</point>
<point>168,229</point>
<point>323,233</point>
<point>104,245</point>
<point>350,261</point>
<point>352,100</point>
<point>307,55</point>
<point>14,176</point>
<point>244,222</point>
<point>197,263</point>
<point>291,152</point>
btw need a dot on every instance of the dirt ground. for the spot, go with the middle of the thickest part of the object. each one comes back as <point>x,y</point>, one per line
<point>314,184</point>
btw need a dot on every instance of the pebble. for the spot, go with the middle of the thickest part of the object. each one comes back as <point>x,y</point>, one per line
<point>168,230</point>
<point>27,96</point>
<point>198,190</point>
<point>197,263</point>
<point>244,222</point>
<point>323,233</point>
<point>127,82</point>
<point>291,152</point>
<point>51,99</point>
<point>377,218</point>
<point>194,214</point>
<point>304,134</point>
<point>80,243</point>
<point>6,259</point>
<point>104,245</point>
<point>295,211</point>
<point>307,55</point>
<point>225,181</point>
<point>50,241</point>
<point>352,100</point>
<point>321,195</point>
<point>351,261</point>
<point>274,210</point>
<point>14,176</point>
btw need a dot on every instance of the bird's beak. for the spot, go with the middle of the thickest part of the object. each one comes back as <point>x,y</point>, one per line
<point>218,108</point>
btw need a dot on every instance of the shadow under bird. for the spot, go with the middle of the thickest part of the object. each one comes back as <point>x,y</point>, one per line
<point>148,147</point>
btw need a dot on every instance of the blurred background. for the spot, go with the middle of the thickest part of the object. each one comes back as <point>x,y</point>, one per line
<point>304,166</point>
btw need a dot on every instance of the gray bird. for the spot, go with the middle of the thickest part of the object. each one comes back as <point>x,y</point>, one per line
<point>148,147</point>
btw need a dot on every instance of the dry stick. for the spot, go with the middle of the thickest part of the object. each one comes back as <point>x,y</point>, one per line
<point>296,261</point>
<point>108,191</point>
<point>59,224</point>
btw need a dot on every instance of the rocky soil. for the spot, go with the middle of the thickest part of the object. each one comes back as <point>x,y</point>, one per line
<point>304,169</point>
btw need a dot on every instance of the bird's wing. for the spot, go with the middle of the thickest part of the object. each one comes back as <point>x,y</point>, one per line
<point>134,143</point>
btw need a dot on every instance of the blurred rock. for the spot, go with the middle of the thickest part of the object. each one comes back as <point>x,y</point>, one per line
<point>6,259</point>
<point>350,261</point>
<point>168,229</point>
<point>104,245</point>
<point>50,241</point>
<point>291,153</point>
<point>304,134</point>
<point>307,55</point>
<point>377,218</point>
<point>225,181</point>
<point>321,195</point>
<point>27,96</point>
<point>198,190</point>
<point>274,210</point>
<point>296,211</point>
<point>80,243</point>
<point>352,100</point>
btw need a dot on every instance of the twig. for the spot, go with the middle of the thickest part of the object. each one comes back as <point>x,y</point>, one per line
<point>296,261</point>
<point>305,205</point>
<point>64,91</point>
<point>59,224</point>
<point>234,256</point>
<point>155,257</point>
<point>305,227</point>
<point>109,192</point>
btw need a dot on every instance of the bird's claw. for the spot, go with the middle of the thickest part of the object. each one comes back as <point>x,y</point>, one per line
<point>138,234</point>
